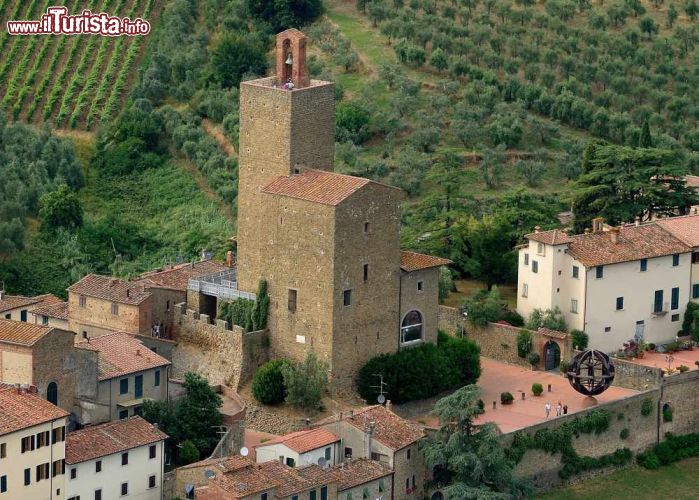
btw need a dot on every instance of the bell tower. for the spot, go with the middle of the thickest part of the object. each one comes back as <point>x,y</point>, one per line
<point>287,123</point>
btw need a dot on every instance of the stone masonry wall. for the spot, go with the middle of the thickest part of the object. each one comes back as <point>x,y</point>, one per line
<point>224,356</point>
<point>681,393</point>
<point>634,376</point>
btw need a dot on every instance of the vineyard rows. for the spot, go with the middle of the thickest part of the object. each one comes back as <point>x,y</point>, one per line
<point>69,81</point>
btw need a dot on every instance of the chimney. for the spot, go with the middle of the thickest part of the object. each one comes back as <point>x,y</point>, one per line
<point>370,435</point>
<point>614,235</point>
<point>2,294</point>
<point>388,405</point>
<point>537,229</point>
<point>229,258</point>
<point>637,221</point>
<point>128,293</point>
<point>597,224</point>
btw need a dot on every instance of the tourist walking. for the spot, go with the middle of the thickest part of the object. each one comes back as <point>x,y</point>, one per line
<point>547,409</point>
<point>559,409</point>
<point>565,409</point>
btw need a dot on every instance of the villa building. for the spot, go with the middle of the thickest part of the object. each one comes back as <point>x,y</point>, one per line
<point>18,307</point>
<point>32,445</point>
<point>307,447</point>
<point>615,284</point>
<point>53,314</point>
<point>120,459</point>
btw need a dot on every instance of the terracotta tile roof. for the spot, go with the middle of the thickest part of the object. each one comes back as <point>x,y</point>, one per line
<point>692,181</point>
<point>25,409</point>
<point>121,353</point>
<point>317,186</point>
<point>177,277</point>
<point>112,289</point>
<point>360,471</point>
<point>413,261</point>
<point>634,243</point>
<point>304,441</point>
<point>58,311</point>
<point>10,302</point>
<point>389,428</point>
<point>553,237</point>
<point>113,437</point>
<point>552,333</point>
<point>684,228</point>
<point>19,332</point>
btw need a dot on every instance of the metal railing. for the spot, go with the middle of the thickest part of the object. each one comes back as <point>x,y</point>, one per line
<point>222,284</point>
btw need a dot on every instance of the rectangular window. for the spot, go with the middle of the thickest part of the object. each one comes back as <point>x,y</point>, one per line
<point>675,299</point>
<point>525,290</point>
<point>576,272</point>
<point>312,495</point>
<point>599,272</point>
<point>115,309</point>
<point>151,481</point>
<point>695,258</point>
<point>574,306</point>
<point>366,228</point>
<point>3,484</point>
<point>124,386</point>
<point>73,472</point>
<point>408,453</point>
<point>644,265</point>
<point>23,315</point>
<point>138,386</point>
<point>82,301</point>
<point>324,493</point>
<point>348,452</point>
<point>151,451</point>
<point>290,462</point>
<point>526,259</point>
<point>695,291</point>
<point>167,305</point>
<point>263,496</point>
<point>98,466</point>
<point>125,458</point>
<point>535,266</point>
<point>419,286</point>
<point>328,453</point>
<point>58,468</point>
<point>292,300</point>
<point>44,320</point>
<point>366,272</point>
<point>156,381</point>
<point>123,414</point>
<point>98,494</point>
<point>58,435</point>
<point>675,317</point>
<point>347,298</point>
<point>124,489</point>
<point>27,477</point>
<point>676,260</point>
<point>619,303</point>
<point>658,302</point>
<point>540,249</point>
<point>607,329</point>
<point>3,450</point>
<point>42,472</point>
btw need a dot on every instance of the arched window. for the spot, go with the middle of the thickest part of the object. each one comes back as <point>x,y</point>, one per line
<point>411,328</point>
<point>52,393</point>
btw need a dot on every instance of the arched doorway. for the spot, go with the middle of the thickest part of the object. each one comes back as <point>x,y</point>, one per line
<point>552,355</point>
<point>437,496</point>
<point>52,393</point>
<point>411,327</point>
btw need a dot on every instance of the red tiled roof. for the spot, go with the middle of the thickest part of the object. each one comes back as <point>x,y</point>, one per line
<point>177,277</point>
<point>121,353</point>
<point>112,289</point>
<point>113,437</point>
<point>360,471</point>
<point>24,409</point>
<point>304,441</point>
<point>389,428</point>
<point>413,261</point>
<point>553,237</point>
<point>10,302</point>
<point>633,243</point>
<point>19,332</point>
<point>684,228</point>
<point>546,332</point>
<point>328,188</point>
<point>58,311</point>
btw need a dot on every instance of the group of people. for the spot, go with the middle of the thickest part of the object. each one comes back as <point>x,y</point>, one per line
<point>560,409</point>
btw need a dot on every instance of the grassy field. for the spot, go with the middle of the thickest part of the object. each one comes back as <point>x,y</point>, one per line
<point>72,82</point>
<point>677,481</point>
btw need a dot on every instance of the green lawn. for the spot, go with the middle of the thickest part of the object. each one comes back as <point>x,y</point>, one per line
<point>676,481</point>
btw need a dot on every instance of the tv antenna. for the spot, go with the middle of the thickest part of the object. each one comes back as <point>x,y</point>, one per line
<point>382,396</point>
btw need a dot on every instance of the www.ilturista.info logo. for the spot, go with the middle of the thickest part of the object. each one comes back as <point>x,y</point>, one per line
<point>57,21</point>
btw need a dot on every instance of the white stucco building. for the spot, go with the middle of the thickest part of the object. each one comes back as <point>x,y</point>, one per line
<point>32,445</point>
<point>614,283</point>
<point>120,459</point>
<point>301,448</point>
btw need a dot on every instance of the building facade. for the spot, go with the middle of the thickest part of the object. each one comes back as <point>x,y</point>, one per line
<point>307,447</point>
<point>19,308</point>
<point>32,445</point>
<point>615,284</point>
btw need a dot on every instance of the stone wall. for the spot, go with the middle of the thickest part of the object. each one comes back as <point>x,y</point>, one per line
<point>164,347</point>
<point>223,355</point>
<point>634,376</point>
<point>681,393</point>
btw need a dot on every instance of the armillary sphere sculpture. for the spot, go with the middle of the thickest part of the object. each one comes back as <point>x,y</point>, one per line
<point>591,372</point>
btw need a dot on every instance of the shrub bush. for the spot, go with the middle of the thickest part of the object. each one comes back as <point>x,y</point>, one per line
<point>683,368</point>
<point>673,449</point>
<point>624,434</point>
<point>513,318</point>
<point>667,414</point>
<point>563,367</point>
<point>423,371</point>
<point>506,398</point>
<point>646,407</point>
<point>188,453</point>
<point>305,382</point>
<point>268,382</point>
<point>537,389</point>
<point>524,343</point>
<point>552,319</point>
<point>534,358</point>
<point>580,339</point>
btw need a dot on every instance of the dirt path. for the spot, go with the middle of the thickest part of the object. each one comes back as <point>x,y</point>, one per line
<point>218,135</point>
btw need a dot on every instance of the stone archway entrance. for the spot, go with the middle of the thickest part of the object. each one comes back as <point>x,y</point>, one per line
<point>552,355</point>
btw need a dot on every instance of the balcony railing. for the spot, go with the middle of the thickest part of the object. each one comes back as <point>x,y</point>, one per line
<point>659,309</point>
<point>222,284</point>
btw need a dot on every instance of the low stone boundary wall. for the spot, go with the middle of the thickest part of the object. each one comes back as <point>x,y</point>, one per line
<point>634,376</point>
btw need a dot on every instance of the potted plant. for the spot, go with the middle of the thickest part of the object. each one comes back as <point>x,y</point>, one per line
<point>651,347</point>
<point>506,398</point>
<point>534,359</point>
<point>537,389</point>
